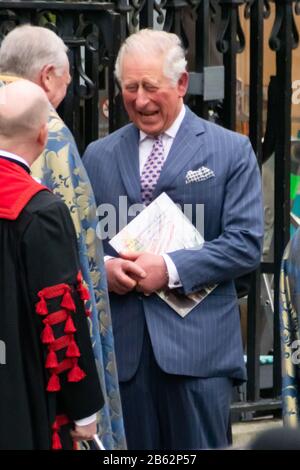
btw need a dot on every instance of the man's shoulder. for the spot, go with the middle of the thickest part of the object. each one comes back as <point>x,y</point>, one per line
<point>56,125</point>
<point>214,130</point>
<point>44,201</point>
<point>46,209</point>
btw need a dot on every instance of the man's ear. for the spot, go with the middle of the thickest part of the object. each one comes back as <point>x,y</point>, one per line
<point>183,83</point>
<point>45,77</point>
<point>43,135</point>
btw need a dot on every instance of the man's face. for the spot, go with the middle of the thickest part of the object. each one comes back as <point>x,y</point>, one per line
<point>152,101</point>
<point>59,85</point>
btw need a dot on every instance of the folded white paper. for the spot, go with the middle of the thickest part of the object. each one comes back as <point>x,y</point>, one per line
<point>163,228</point>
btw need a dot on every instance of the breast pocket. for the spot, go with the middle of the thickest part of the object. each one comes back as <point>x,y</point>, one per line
<point>200,192</point>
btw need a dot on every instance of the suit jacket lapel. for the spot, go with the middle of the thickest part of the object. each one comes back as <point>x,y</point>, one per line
<point>128,160</point>
<point>186,143</point>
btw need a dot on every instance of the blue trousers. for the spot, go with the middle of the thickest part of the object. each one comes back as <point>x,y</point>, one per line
<point>171,412</point>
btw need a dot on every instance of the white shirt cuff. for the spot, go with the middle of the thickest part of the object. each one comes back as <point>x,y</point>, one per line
<point>107,257</point>
<point>86,421</point>
<point>174,280</point>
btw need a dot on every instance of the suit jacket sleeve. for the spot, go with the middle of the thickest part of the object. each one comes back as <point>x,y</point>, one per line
<point>51,261</point>
<point>237,249</point>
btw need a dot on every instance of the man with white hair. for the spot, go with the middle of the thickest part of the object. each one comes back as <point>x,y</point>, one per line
<point>49,379</point>
<point>176,374</point>
<point>39,55</point>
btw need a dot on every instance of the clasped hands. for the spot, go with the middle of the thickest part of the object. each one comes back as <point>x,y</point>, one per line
<point>144,272</point>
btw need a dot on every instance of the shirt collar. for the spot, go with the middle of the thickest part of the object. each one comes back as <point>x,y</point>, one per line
<point>15,157</point>
<point>173,129</point>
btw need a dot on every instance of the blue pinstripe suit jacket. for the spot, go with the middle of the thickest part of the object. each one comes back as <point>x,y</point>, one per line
<point>207,342</point>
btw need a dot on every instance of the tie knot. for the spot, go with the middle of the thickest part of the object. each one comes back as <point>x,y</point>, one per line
<point>158,142</point>
<point>156,138</point>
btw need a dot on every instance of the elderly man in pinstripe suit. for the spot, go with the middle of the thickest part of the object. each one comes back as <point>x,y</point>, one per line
<point>176,374</point>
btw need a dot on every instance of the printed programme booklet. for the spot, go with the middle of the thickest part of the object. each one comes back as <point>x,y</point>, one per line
<point>162,228</point>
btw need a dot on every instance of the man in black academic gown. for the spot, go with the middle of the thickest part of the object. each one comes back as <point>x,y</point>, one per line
<point>48,381</point>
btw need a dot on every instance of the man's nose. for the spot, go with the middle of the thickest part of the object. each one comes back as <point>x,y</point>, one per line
<point>141,98</point>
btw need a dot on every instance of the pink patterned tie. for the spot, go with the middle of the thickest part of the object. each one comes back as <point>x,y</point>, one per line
<point>151,170</point>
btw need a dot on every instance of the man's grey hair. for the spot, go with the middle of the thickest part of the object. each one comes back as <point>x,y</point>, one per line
<point>27,49</point>
<point>150,43</point>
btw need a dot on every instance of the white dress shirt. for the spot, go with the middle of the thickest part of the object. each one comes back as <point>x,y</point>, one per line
<point>145,147</point>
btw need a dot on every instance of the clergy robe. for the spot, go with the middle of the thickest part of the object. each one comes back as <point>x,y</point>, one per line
<point>48,376</point>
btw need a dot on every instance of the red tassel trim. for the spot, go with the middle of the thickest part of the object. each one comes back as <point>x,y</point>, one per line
<point>53,384</point>
<point>55,426</point>
<point>47,336</point>
<point>81,288</point>
<point>41,306</point>
<point>51,361</point>
<point>75,445</point>
<point>57,317</point>
<point>60,420</point>
<point>60,343</point>
<point>69,364</point>
<point>69,326</point>
<point>65,364</point>
<point>83,292</point>
<point>56,443</point>
<point>53,291</point>
<point>76,374</point>
<point>88,312</point>
<point>67,301</point>
<point>73,350</point>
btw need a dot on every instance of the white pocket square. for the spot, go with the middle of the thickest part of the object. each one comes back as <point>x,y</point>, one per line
<point>201,174</point>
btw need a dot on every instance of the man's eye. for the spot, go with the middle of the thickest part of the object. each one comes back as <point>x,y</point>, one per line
<point>131,88</point>
<point>150,88</point>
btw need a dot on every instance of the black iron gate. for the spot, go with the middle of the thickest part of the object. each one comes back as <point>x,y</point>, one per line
<point>212,32</point>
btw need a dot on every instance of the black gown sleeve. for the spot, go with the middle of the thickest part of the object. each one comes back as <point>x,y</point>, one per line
<point>57,293</point>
